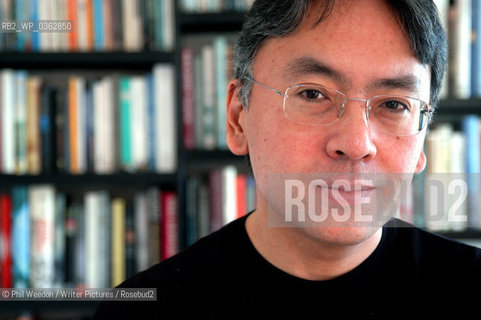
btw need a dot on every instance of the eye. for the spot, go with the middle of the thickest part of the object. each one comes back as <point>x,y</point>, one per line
<point>395,105</point>
<point>312,94</point>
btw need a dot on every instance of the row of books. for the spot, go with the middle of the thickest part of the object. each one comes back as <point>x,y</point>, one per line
<point>94,240</point>
<point>206,67</point>
<point>447,193</point>
<point>461,20</point>
<point>205,6</point>
<point>79,125</point>
<point>100,25</point>
<point>216,198</point>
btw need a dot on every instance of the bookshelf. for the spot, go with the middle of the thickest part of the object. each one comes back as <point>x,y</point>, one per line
<point>89,179</point>
<point>188,160</point>
<point>88,60</point>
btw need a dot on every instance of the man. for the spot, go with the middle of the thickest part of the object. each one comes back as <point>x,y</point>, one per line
<point>333,92</point>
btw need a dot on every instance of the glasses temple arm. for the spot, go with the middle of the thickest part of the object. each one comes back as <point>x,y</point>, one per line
<point>266,86</point>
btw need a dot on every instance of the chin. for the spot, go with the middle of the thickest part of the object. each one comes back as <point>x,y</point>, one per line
<point>347,235</point>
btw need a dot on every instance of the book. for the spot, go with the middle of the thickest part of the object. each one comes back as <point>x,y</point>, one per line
<point>6,278</point>
<point>42,215</point>
<point>188,104</point>
<point>142,235</point>
<point>221,49</point>
<point>139,136</point>
<point>229,201</point>
<point>154,209</point>
<point>125,124</point>
<point>92,239</point>
<point>73,124</point>
<point>461,49</point>
<point>169,225</point>
<point>118,241</point>
<point>8,121</point>
<point>165,118</point>
<point>34,161</point>
<point>476,49</point>
<point>60,240</point>
<point>206,66</point>
<point>20,237</point>
<point>470,127</point>
<point>21,122</point>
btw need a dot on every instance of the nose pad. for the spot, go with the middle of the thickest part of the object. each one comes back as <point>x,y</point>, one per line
<point>367,109</point>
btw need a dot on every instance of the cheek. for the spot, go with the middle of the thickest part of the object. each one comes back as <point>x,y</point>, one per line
<point>401,154</point>
<point>274,145</point>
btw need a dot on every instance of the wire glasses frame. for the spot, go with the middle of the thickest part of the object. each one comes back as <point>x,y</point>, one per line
<point>316,105</point>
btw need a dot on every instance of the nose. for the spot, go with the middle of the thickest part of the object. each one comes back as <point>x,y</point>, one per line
<point>351,137</point>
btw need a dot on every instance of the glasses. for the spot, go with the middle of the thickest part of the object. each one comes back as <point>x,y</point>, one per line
<point>316,105</point>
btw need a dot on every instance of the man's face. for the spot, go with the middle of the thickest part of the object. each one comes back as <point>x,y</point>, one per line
<point>359,50</point>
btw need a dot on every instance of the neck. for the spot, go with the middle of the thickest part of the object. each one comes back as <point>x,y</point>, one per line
<point>308,253</point>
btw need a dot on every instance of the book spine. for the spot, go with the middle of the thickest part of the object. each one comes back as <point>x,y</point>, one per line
<point>42,267</point>
<point>476,49</point>
<point>73,124</point>
<point>241,197</point>
<point>229,194</point>
<point>141,225</point>
<point>139,124</point>
<point>220,49</point>
<point>215,201</point>
<point>170,225</point>
<point>6,278</point>
<point>21,122</point>
<point>188,105</point>
<point>125,123</point>
<point>8,121</point>
<point>151,123</point>
<point>168,23</point>
<point>99,30</point>
<point>165,116</point>
<point>105,248</point>
<point>89,20</point>
<point>34,161</point>
<point>92,226</point>
<point>129,239</point>
<point>470,126</point>
<point>209,116</point>
<point>118,241</point>
<point>462,50</point>
<point>88,151</point>
<point>72,16</point>
<point>20,237</point>
<point>60,243</point>
<point>81,125</point>
<point>154,210</point>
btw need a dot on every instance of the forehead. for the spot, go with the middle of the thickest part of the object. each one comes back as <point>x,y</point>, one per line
<point>361,39</point>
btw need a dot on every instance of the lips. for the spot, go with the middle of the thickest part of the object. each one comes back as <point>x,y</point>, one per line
<point>348,192</point>
<point>349,185</point>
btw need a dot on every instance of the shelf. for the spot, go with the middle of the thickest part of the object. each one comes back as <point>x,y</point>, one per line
<point>207,159</point>
<point>82,60</point>
<point>462,235</point>
<point>121,179</point>
<point>459,107</point>
<point>211,22</point>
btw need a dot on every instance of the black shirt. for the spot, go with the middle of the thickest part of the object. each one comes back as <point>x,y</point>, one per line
<point>222,276</point>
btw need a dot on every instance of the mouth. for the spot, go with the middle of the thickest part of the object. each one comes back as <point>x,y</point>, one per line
<point>348,192</point>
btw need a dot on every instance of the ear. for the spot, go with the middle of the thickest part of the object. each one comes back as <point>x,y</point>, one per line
<point>421,162</point>
<point>236,134</point>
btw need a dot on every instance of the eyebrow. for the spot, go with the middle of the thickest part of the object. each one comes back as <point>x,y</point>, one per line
<point>405,82</point>
<point>308,66</point>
